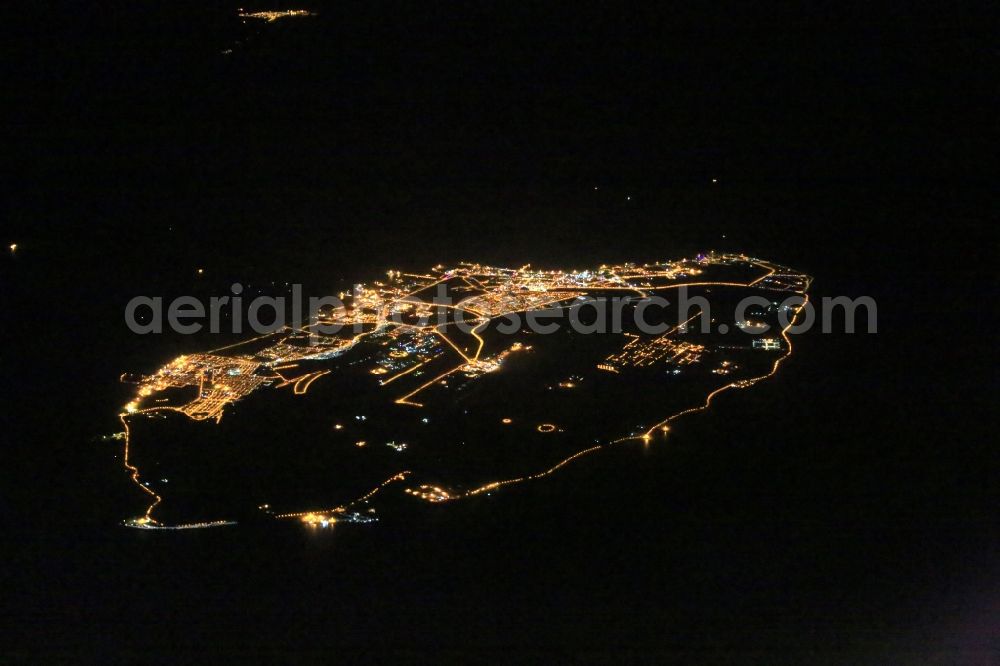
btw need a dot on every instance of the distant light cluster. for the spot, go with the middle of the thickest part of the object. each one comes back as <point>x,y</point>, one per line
<point>274,15</point>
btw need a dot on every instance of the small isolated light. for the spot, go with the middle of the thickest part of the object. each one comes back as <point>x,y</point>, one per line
<point>13,247</point>
<point>201,271</point>
<point>715,180</point>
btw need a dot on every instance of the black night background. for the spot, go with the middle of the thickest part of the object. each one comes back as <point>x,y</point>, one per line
<point>844,512</point>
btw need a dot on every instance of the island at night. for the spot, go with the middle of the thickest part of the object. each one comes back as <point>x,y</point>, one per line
<point>450,384</point>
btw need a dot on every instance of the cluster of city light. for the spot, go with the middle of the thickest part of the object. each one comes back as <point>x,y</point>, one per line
<point>429,493</point>
<point>274,15</point>
<point>411,349</point>
<point>320,519</point>
<point>639,352</point>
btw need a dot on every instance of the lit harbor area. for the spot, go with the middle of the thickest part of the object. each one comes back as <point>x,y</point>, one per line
<point>145,523</point>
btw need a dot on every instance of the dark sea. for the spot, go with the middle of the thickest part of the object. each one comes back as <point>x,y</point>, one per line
<point>842,512</point>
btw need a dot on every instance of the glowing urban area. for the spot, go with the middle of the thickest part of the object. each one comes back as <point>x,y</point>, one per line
<point>414,400</point>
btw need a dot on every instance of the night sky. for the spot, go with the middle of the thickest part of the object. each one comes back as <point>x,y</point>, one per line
<point>845,513</point>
